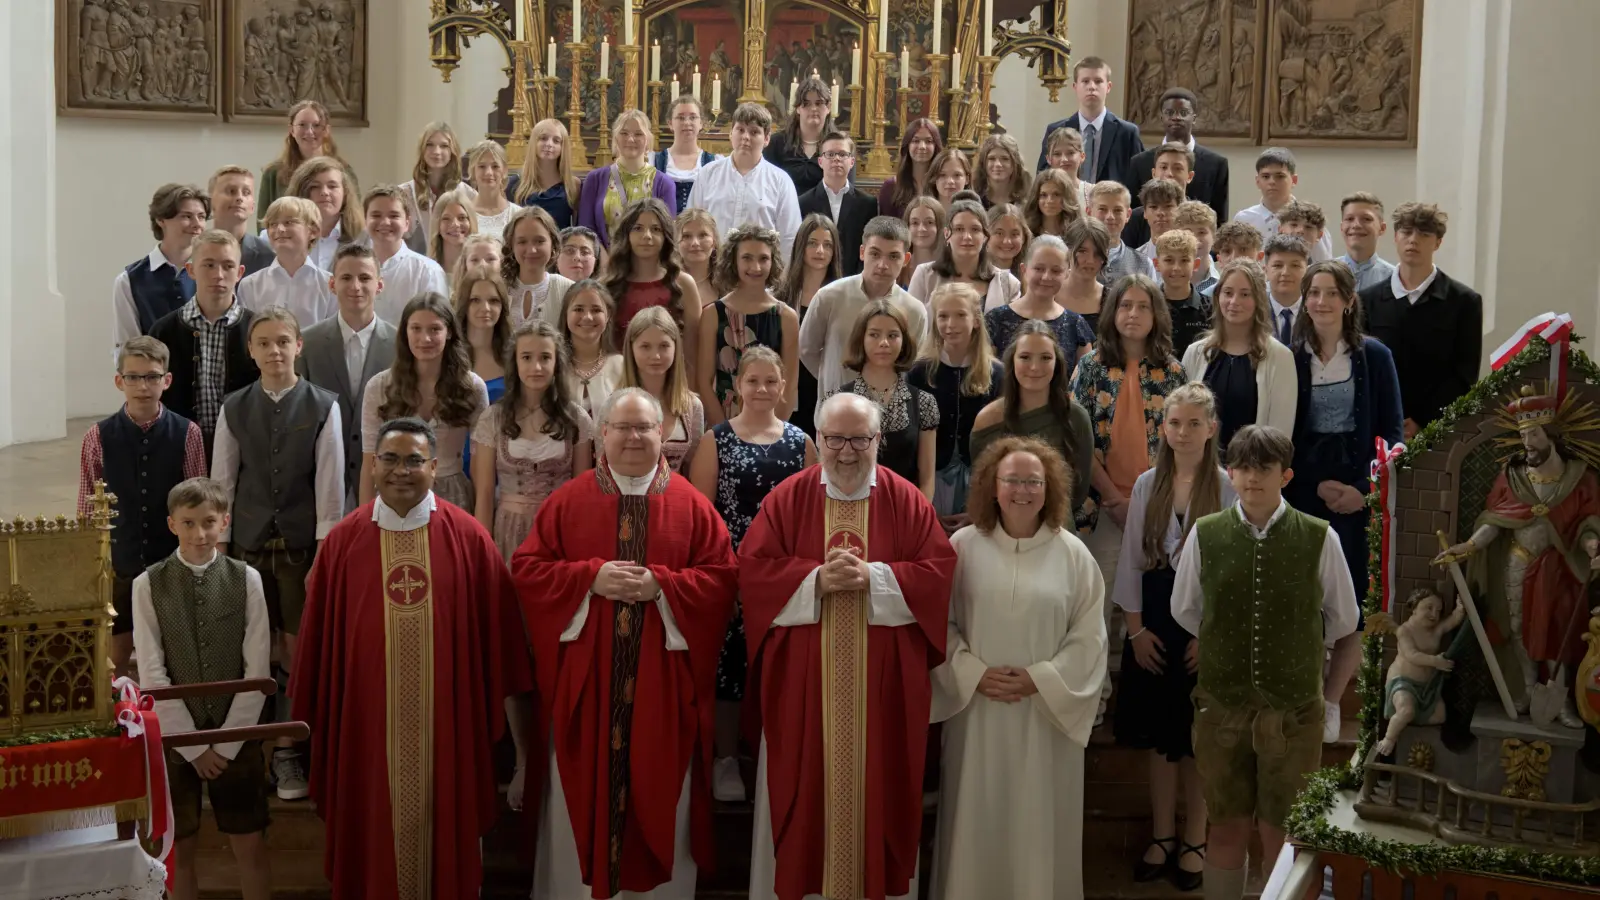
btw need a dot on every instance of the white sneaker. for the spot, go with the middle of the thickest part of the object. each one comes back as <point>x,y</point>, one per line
<point>289,776</point>
<point>726,783</point>
<point>1330,722</point>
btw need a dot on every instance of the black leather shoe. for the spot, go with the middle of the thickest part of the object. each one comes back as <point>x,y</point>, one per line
<point>1148,871</point>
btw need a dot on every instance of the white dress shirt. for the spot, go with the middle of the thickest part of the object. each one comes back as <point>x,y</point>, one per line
<point>1415,294</point>
<point>886,604</point>
<point>1099,122</point>
<point>152,659</point>
<point>835,199</point>
<point>329,478</point>
<point>1265,221</point>
<point>1003,287</point>
<point>405,275</point>
<point>1336,369</point>
<point>323,249</point>
<point>1128,589</point>
<point>305,293</point>
<point>763,196</point>
<point>355,345</point>
<point>1340,612</point>
<point>831,318</point>
<point>124,316</point>
<point>1278,309</point>
<point>418,517</point>
<point>630,486</point>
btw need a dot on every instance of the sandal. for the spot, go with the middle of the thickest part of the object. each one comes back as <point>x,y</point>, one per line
<point>1148,871</point>
<point>1183,879</point>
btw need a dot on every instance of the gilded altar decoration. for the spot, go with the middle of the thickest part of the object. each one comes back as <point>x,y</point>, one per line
<point>279,52</point>
<point>55,621</point>
<point>408,650</point>
<point>1526,763</point>
<point>139,58</point>
<point>1586,688</point>
<point>1421,756</point>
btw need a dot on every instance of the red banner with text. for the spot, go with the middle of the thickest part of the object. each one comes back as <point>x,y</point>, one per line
<point>68,776</point>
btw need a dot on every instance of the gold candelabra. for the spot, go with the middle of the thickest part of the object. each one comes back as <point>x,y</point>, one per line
<point>656,112</point>
<point>602,151</point>
<point>630,81</point>
<point>986,67</point>
<point>580,154</point>
<point>521,125</point>
<point>878,163</point>
<point>936,77</point>
<point>858,113</point>
<point>905,102</point>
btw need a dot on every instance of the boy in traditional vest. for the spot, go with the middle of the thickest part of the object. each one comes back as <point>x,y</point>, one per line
<point>1274,587</point>
<point>141,452</point>
<point>279,455</point>
<point>159,283</point>
<point>200,616</point>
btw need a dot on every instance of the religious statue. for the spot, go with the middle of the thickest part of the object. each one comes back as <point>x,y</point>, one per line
<point>1537,541</point>
<point>1411,694</point>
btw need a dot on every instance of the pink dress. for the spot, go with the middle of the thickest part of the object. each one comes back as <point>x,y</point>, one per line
<point>528,469</point>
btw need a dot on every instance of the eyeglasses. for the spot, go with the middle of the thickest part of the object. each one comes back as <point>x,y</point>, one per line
<point>144,379</point>
<point>837,154</point>
<point>1031,485</point>
<point>402,463</point>
<point>857,443</point>
<point>629,429</point>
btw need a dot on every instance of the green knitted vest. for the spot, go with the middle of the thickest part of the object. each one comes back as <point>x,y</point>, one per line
<point>1261,635</point>
<point>202,628</point>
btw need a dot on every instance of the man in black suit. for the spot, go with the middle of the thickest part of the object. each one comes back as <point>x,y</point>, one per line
<point>1432,323</point>
<point>1210,169</point>
<point>848,207</point>
<point>1109,143</point>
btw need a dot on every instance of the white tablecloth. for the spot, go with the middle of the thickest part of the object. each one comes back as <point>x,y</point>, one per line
<point>85,864</point>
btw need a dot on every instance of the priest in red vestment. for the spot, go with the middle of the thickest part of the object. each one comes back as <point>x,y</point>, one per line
<point>412,654</point>
<point>845,579</point>
<point>627,583</point>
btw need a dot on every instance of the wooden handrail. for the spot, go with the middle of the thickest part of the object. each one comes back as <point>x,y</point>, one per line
<point>266,686</point>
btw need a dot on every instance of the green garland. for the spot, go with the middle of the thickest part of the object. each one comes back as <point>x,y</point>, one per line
<point>73,733</point>
<point>1307,821</point>
<point>1309,824</point>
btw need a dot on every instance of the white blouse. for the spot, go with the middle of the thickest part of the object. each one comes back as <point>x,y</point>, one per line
<point>1128,590</point>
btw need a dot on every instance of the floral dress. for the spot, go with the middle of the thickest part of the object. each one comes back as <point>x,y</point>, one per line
<point>1096,387</point>
<point>746,473</point>
<point>529,468</point>
<point>735,332</point>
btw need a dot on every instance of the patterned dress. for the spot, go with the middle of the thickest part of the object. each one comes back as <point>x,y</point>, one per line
<point>529,469</point>
<point>735,332</point>
<point>746,473</point>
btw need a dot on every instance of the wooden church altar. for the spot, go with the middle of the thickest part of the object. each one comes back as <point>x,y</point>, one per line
<point>585,61</point>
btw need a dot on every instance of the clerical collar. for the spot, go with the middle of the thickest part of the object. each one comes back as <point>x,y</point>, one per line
<point>860,493</point>
<point>631,485</point>
<point>389,520</point>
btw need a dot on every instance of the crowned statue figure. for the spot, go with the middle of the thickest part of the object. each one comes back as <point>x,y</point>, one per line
<point>1536,543</point>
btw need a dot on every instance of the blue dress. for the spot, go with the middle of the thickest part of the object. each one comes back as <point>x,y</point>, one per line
<point>746,473</point>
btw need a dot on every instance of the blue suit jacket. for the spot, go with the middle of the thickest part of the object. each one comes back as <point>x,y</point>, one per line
<point>1119,144</point>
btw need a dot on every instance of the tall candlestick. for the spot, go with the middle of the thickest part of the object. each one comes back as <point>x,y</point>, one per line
<point>794,86</point>
<point>655,61</point>
<point>988,27</point>
<point>577,21</point>
<point>905,67</point>
<point>550,60</point>
<point>955,71</point>
<point>938,25</point>
<point>605,58</point>
<point>855,64</point>
<point>627,22</point>
<point>883,26</point>
<point>697,82</point>
<point>716,95</point>
<point>836,98</point>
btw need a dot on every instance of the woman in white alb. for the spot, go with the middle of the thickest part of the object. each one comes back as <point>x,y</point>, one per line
<point>1020,684</point>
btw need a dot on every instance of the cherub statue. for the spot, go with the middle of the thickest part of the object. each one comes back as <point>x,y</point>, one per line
<point>1411,694</point>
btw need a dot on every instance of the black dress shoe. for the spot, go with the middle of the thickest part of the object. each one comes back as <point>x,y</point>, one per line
<point>1148,871</point>
<point>1185,880</point>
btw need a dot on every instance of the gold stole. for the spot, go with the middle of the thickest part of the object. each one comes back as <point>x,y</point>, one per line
<point>844,711</point>
<point>408,658</point>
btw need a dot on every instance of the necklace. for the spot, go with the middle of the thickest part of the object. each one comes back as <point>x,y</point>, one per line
<point>586,372</point>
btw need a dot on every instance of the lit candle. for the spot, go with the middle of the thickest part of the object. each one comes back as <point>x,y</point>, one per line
<point>905,67</point>
<point>627,22</point>
<point>836,98</point>
<point>988,27</point>
<point>655,61</point>
<point>938,24</point>
<point>716,95</point>
<point>675,93</point>
<point>955,70</point>
<point>697,82</point>
<point>794,85</point>
<point>883,27</point>
<point>605,58</point>
<point>855,65</point>
<point>577,21</point>
<point>550,59</point>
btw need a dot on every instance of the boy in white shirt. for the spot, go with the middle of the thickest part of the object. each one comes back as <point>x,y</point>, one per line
<point>1276,178</point>
<point>742,188</point>
<point>404,272</point>
<point>292,281</point>
<point>1286,262</point>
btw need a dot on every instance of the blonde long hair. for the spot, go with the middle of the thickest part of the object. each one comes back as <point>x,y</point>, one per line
<point>1205,496</point>
<point>676,401</point>
<point>351,218</point>
<point>528,182</point>
<point>460,198</point>
<point>980,364</point>
<point>421,184</point>
<point>1260,323</point>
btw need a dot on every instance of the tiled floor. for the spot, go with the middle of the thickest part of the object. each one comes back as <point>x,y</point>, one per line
<point>42,479</point>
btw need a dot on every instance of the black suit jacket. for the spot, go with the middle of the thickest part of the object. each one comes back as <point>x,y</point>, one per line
<point>1119,144</point>
<point>1437,342</point>
<point>1210,184</point>
<point>854,212</point>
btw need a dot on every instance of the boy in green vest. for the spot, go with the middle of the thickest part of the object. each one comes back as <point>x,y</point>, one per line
<point>1273,591</point>
<point>199,616</point>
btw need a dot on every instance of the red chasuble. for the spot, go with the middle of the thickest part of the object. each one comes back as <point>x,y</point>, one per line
<point>629,718</point>
<point>808,732</point>
<point>410,643</point>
